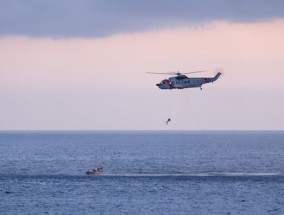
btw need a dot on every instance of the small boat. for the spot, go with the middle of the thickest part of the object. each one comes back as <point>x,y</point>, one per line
<point>95,171</point>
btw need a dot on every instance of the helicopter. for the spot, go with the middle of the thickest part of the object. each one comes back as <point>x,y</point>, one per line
<point>181,81</point>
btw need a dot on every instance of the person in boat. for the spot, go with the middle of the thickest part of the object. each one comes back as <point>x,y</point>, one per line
<point>167,122</point>
<point>95,171</point>
<point>99,169</point>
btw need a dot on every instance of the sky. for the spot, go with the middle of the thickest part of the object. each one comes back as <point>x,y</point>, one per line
<point>82,65</point>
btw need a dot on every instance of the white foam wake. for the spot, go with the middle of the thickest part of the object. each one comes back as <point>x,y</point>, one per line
<point>208,174</point>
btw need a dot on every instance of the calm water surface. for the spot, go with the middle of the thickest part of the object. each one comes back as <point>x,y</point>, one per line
<point>144,173</point>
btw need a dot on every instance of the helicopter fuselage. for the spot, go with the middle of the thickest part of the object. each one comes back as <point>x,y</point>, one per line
<point>182,82</point>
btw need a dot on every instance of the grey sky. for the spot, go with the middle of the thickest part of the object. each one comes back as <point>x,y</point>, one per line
<point>96,18</point>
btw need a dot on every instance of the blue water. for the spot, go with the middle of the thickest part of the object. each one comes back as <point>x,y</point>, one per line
<point>144,173</point>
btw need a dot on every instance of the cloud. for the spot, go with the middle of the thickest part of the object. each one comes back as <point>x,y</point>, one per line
<point>96,18</point>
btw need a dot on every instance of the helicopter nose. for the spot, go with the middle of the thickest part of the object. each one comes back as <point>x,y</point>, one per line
<point>159,85</point>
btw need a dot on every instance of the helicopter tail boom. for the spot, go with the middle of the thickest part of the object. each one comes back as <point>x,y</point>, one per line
<point>216,76</point>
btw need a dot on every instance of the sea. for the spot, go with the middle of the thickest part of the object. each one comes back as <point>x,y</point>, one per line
<point>144,172</point>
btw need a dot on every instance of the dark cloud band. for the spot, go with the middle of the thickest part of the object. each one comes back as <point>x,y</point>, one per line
<point>97,18</point>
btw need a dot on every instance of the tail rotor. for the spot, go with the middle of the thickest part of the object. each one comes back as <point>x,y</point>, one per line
<point>219,70</point>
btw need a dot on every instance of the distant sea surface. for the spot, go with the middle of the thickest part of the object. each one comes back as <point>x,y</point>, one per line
<point>144,172</point>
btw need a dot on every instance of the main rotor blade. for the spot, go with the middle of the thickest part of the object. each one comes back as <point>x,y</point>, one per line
<point>194,72</point>
<point>159,73</point>
<point>175,73</point>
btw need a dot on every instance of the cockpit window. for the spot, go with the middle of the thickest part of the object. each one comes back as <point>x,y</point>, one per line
<point>163,82</point>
